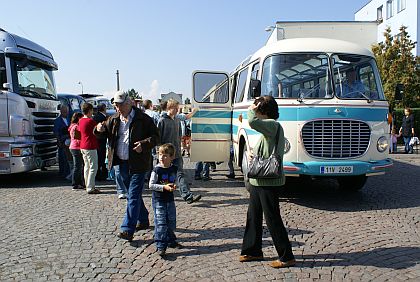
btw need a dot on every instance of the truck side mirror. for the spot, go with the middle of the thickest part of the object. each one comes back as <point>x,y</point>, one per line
<point>399,92</point>
<point>255,88</point>
<point>7,86</point>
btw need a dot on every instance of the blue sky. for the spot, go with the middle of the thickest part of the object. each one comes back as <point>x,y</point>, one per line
<point>155,44</point>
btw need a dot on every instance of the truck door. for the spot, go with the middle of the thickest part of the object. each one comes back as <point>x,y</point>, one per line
<point>4,121</point>
<point>211,126</point>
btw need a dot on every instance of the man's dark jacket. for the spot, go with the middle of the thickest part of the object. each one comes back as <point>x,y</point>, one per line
<point>142,128</point>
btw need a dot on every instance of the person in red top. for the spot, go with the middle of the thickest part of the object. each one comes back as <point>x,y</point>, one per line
<point>88,147</point>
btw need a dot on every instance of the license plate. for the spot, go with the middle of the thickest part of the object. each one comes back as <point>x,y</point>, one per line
<point>336,169</point>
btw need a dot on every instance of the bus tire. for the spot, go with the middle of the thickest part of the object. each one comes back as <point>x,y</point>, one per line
<point>244,168</point>
<point>352,183</point>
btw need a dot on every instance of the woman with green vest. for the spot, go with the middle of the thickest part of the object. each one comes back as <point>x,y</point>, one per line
<point>264,193</point>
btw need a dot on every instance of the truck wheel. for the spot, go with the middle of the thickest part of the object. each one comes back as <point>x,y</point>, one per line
<point>352,183</point>
<point>244,168</point>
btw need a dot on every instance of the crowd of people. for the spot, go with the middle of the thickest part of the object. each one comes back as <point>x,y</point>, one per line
<point>129,141</point>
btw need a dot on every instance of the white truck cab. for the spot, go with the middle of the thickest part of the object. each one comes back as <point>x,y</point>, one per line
<point>28,105</point>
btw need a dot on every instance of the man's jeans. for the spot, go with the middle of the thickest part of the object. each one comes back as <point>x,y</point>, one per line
<point>122,177</point>
<point>184,190</point>
<point>165,222</point>
<point>202,170</point>
<point>63,165</point>
<point>136,210</point>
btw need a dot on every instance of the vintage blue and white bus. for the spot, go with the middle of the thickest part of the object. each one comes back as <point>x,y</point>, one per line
<point>331,104</point>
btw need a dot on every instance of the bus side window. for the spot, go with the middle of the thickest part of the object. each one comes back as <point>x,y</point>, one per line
<point>241,83</point>
<point>255,71</point>
<point>254,75</point>
<point>233,81</point>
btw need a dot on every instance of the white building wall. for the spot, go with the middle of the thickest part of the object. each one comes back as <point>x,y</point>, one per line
<point>407,17</point>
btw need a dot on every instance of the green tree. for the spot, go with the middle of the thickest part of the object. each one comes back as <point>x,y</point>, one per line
<point>187,101</point>
<point>398,65</point>
<point>133,94</point>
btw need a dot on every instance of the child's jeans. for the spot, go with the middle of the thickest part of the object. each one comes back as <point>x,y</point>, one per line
<point>394,148</point>
<point>165,222</point>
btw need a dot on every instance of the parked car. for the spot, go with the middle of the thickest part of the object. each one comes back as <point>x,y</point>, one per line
<point>96,99</point>
<point>72,101</point>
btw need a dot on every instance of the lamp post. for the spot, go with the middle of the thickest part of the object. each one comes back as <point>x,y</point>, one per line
<point>81,84</point>
<point>118,80</point>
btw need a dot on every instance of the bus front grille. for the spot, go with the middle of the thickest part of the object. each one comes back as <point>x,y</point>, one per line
<point>332,139</point>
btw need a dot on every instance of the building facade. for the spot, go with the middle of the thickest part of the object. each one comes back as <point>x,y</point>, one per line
<point>393,13</point>
<point>172,95</point>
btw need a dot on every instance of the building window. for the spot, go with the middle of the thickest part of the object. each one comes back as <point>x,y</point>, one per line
<point>389,9</point>
<point>379,14</point>
<point>400,5</point>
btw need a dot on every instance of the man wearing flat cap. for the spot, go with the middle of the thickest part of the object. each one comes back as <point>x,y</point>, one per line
<point>131,136</point>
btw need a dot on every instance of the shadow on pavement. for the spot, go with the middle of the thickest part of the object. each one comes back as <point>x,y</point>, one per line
<point>34,179</point>
<point>394,258</point>
<point>226,233</point>
<point>394,190</point>
<point>229,233</point>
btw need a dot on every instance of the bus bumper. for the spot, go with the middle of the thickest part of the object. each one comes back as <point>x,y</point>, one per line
<point>337,168</point>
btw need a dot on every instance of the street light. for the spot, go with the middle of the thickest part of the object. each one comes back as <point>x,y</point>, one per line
<point>81,84</point>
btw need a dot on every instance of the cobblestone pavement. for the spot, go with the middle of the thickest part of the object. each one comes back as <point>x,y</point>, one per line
<point>49,232</point>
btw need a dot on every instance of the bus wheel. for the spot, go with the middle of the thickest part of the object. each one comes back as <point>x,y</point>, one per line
<point>244,168</point>
<point>352,183</point>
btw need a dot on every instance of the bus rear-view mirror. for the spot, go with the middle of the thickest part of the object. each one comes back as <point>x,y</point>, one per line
<point>255,88</point>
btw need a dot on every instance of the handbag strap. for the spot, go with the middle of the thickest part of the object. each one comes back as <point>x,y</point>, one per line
<point>276,141</point>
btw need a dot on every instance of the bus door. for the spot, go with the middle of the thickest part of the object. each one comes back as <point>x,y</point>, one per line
<point>211,125</point>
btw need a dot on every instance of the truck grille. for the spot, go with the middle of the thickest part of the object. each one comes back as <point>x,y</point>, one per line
<point>44,125</point>
<point>336,138</point>
<point>46,147</point>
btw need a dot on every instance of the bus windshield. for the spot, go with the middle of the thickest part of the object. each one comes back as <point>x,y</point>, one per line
<point>356,77</point>
<point>297,75</point>
<point>308,76</point>
<point>34,80</point>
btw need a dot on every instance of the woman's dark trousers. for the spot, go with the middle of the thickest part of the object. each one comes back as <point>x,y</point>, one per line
<point>265,200</point>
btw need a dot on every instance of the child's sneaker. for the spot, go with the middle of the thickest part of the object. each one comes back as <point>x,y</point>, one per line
<point>161,252</point>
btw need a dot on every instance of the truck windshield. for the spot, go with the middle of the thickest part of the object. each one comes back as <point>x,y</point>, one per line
<point>297,75</point>
<point>356,77</point>
<point>35,80</point>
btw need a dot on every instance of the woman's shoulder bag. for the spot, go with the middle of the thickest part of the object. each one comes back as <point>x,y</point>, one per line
<point>266,168</point>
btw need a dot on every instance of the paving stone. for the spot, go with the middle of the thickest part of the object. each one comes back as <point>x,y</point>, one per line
<point>60,234</point>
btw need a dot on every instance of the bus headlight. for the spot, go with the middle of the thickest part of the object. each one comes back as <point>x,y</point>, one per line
<point>382,144</point>
<point>286,145</point>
